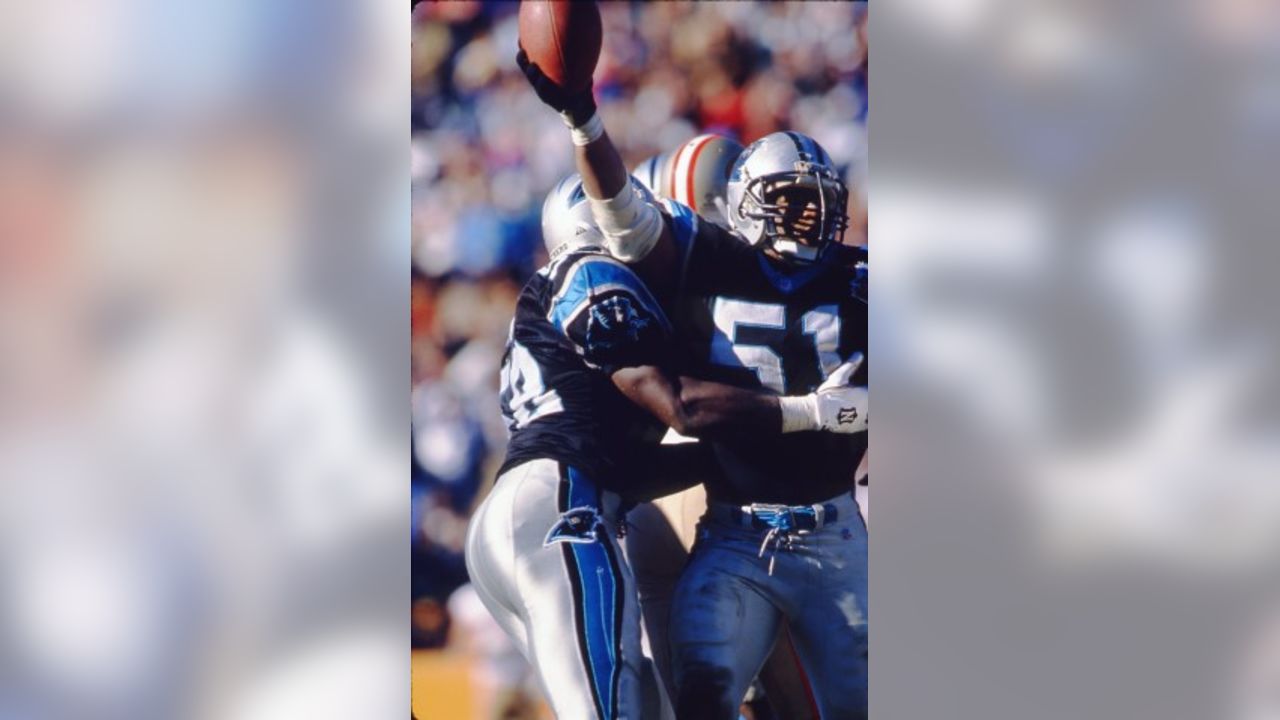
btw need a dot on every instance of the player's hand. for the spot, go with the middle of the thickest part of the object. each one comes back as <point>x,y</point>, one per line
<point>841,407</point>
<point>577,106</point>
<point>836,406</point>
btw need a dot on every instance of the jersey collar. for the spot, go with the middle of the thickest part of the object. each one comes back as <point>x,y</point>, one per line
<point>788,279</point>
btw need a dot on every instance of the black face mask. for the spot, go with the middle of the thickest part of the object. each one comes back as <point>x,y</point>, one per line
<point>800,213</point>
<point>783,203</point>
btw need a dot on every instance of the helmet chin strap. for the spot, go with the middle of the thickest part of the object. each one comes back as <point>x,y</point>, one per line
<point>791,248</point>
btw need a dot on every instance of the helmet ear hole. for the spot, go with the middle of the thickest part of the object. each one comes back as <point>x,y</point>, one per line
<point>567,222</point>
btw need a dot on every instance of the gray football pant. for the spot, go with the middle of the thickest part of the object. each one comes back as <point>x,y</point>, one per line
<point>727,609</point>
<point>559,586</point>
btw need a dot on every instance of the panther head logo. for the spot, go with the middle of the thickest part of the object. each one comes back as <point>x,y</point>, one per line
<point>579,525</point>
<point>616,323</point>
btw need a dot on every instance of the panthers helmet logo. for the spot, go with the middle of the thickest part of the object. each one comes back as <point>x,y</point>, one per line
<point>579,525</point>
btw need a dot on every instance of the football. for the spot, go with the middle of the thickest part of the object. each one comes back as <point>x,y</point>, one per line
<point>562,38</point>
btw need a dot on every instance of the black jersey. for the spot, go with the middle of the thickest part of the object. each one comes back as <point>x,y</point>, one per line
<point>750,321</point>
<point>578,320</point>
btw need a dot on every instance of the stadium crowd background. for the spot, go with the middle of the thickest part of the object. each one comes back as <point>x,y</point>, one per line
<point>484,153</point>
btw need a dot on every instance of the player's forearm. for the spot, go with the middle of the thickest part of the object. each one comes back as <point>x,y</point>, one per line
<point>836,406</point>
<point>705,412</point>
<point>705,409</point>
<point>603,173</point>
<point>711,408</point>
<point>604,176</point>
<point>632,227</point>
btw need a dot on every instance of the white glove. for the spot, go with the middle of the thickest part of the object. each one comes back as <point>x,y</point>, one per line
<point>836,406</point>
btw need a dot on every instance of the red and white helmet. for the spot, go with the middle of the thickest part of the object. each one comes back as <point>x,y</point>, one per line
<point>699,176</point>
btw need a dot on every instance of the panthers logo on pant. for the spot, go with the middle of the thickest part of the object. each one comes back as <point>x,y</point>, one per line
<point>579,525</point>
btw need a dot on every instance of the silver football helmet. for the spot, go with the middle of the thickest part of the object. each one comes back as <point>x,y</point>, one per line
<point>700,176</point>
<point>785,192</point>
<point>566,218</point>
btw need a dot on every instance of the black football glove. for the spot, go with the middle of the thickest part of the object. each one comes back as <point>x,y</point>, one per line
<point>578,106</point>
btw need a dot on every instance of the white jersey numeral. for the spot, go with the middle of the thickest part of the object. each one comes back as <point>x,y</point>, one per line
<point>728,315</point>
<point>821,325</point>
<point>525,397</point>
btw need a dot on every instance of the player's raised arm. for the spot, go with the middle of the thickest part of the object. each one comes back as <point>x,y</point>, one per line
<point>633,227</point>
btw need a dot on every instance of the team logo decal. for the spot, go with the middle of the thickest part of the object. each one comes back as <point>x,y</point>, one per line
<point>616,323</point>
<point>739,170</point>
<point>579,525</point>
<point>847,415</point>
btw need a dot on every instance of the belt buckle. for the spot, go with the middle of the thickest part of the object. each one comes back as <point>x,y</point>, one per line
<point>767,514</point>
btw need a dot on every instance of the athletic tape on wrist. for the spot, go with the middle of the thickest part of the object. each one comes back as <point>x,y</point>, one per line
<point>586,133</point>
<point>799,413</point>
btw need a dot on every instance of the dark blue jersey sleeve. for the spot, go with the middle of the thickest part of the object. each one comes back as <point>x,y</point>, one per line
<point>610,317</point>
<point>708,254</point>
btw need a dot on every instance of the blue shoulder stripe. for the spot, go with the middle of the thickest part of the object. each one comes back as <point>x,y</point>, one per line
<point>592,277</point>
<point>684,222</point>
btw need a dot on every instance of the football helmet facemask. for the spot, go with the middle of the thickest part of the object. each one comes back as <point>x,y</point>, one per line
<point>784,192</point>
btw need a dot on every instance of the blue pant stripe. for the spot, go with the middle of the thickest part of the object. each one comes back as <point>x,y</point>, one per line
<point>582,492</point>
<point>600,609</point>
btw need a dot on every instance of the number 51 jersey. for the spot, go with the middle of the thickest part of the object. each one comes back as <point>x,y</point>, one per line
<point>748,320</point>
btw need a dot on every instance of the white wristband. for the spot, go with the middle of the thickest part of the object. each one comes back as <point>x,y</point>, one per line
<point>799,413</point>
<point>586,133</point>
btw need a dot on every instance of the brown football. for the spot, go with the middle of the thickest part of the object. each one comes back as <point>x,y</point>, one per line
<point>562,38</point>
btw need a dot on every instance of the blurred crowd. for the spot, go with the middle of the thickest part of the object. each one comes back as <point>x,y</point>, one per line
<point>485,151</point>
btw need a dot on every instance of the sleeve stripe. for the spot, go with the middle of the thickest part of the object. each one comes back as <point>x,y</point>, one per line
<point>563,318</point>
<point>684,221</point>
